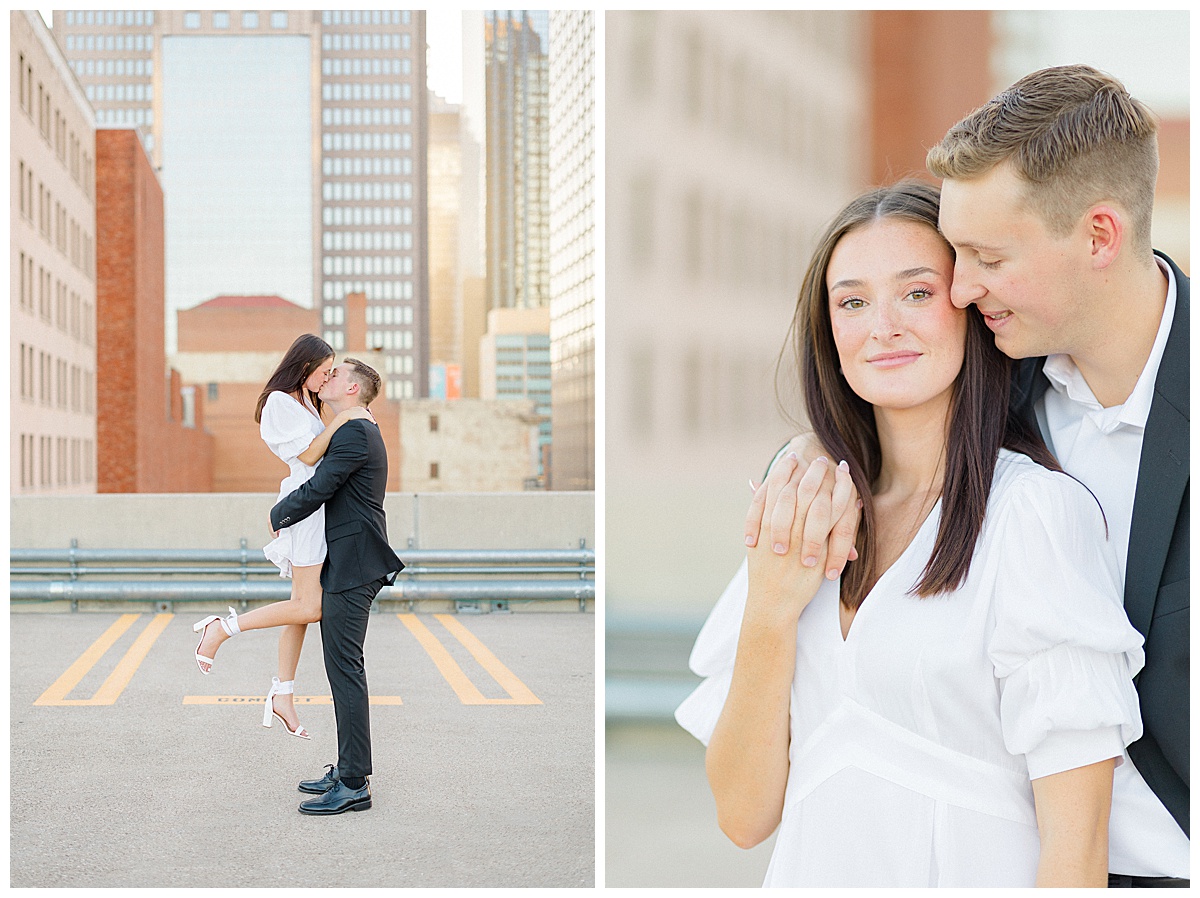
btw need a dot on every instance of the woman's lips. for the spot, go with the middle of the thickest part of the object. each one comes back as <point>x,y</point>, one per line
<point>893,359</point>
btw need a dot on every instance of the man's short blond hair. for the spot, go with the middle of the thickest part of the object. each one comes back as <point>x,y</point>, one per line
<point>366,377</point>
<point>1074,135</point>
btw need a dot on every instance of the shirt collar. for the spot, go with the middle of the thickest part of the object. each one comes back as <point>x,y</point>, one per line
<point>1065,377</point>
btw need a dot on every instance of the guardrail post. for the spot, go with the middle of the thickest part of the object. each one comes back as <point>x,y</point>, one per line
<point>74,570</point>
<point>582,571</point>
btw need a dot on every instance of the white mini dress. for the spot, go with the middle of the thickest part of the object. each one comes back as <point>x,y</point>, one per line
<point>914,740</point>
<point>288,428</point>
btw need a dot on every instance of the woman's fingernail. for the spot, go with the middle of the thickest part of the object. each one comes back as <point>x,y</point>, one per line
<point>793,456</point>
<point>822,458</point>
<point>753,488</point>
<point>750,540</point>
<point>842,465</point>
<point>831,574</point>
<point>780,548</point>
<point>810,561</point>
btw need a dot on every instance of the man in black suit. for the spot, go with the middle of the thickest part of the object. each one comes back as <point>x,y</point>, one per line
<point>1047,196</point>
<point>350,483</point>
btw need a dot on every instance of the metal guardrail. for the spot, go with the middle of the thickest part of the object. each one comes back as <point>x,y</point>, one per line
<point>646,667</point>
<point>497,576</point>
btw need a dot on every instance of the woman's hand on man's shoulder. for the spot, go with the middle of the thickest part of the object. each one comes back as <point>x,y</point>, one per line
<point>831,514</point>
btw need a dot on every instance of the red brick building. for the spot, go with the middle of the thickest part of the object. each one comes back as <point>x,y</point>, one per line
<point>912,106</point>
<point>230,345</point>
<point>150,434</point>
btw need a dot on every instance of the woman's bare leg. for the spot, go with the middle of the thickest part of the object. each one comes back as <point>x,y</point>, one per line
<point>302,608</point>
<point>306,590</point>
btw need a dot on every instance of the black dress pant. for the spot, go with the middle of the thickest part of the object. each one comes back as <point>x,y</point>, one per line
<point>344,618</point>
<point>1117,881</point>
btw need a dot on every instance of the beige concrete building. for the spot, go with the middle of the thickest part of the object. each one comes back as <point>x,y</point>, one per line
<point>731,138</point>
<point>468,445</point>
<point>52,265</point>
<point>572,250</point>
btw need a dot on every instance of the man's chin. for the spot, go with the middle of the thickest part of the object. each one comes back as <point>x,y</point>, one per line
<point>1016,349</point>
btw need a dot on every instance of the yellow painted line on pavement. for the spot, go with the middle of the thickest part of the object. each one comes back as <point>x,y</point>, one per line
<point>466,691</point>
<point>298,699</point>
<point>112,687</point>
<point>519,693</point>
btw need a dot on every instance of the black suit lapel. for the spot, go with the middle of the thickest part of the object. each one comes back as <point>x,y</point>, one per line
<point>1029,383</point>
<point>1163,469</point>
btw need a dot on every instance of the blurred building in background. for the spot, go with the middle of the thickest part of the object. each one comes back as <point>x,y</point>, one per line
<point>731,140</point>
<point>572,179</point>
<point>52,268</point>
<point>353,183</point>
<point>516,49</point>
<point>446,170</point>
<point>516,119</point>
<point>469,445</point>
<point>732,137</point>
<point>230,345</point>
<point>150,432</point>
<point>514,363</point>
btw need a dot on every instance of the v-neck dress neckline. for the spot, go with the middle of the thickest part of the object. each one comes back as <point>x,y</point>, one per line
<point>884,579</point>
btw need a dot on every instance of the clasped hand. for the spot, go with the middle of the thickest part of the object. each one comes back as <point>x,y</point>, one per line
<point>796,515</point>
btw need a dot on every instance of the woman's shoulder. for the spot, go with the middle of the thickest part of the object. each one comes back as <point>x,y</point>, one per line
<point>1021,483</point>
<point>281,401</point>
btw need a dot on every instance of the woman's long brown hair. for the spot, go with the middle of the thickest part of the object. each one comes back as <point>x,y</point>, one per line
<point>303,357</point>
<point>980,422</point>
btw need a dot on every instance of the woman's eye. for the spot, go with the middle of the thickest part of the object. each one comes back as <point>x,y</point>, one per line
<point>919,295</point>
<point>985,264</point>
<point>852,302</point>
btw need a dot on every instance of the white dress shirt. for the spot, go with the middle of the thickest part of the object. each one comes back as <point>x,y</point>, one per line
<point>1102,447</point>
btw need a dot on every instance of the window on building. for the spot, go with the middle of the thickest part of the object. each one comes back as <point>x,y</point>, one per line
<point>212,392</point>
<point>249,20</point>
<point>220,20</point>
<point>433,470</point>
<point>279,20</point>
<point>191,20</point>
<point>433,423</point>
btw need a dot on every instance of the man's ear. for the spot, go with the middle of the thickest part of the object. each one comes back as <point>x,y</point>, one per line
<point>1106,233</point>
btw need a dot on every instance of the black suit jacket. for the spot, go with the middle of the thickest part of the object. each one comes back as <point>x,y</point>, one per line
<point>1156,572</point>
<point>350,482</point>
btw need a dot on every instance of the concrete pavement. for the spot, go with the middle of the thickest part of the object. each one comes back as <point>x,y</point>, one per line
<point>138,771</point>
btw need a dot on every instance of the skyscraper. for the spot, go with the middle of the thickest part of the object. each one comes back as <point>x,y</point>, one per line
<point>572,175</point>
<point>361,85</point>
<point>516,74</point>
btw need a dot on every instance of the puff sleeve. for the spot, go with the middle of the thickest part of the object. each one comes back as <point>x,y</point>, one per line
<point>285,426</point>
<point>712,658</point>
<point>1061,647</point>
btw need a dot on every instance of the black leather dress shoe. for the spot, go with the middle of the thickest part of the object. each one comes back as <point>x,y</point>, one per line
<point>323,785</point>
<point>339,799</point>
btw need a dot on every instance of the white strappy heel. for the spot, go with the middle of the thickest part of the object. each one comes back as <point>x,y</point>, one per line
<point>284,688</point>
<point>228,624</point>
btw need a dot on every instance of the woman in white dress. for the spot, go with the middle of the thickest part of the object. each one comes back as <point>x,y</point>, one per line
<point>289,416</point>
<point>949,712</point>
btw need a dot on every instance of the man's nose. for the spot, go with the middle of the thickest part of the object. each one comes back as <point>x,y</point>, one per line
<point>964,289</point>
